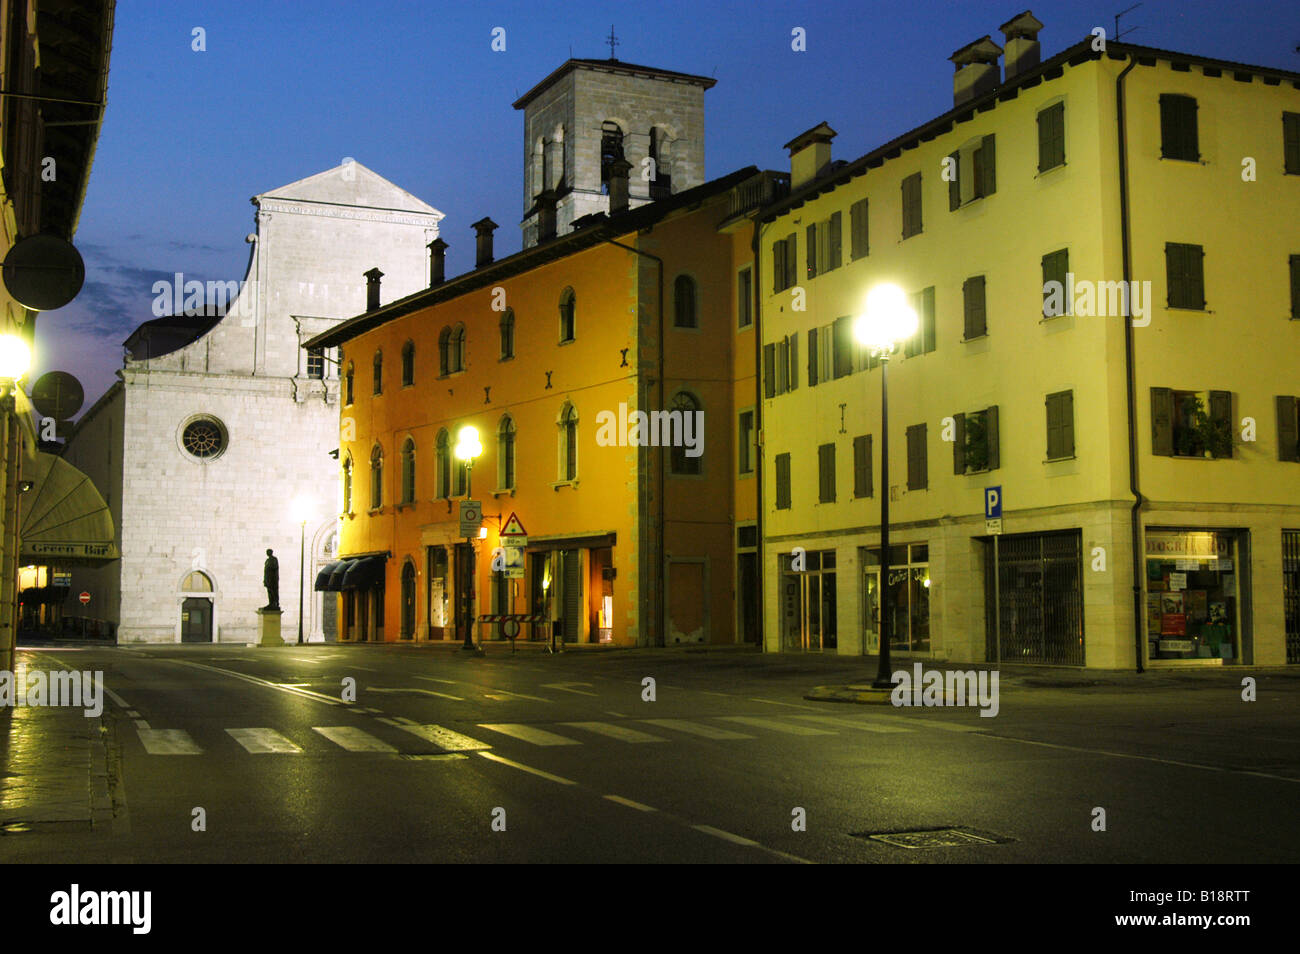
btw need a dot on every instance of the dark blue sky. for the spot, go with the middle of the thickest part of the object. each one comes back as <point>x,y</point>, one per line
<point>288,88</point>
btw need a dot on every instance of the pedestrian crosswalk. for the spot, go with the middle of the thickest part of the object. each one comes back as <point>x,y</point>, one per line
<point>401,736</point>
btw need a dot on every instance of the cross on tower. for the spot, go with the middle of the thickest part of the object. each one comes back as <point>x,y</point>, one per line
<point>612,41</point>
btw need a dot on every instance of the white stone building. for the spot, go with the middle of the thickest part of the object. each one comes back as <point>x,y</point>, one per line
<point>220,422</point>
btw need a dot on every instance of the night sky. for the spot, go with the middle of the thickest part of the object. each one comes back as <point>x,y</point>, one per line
<point>286,89</point>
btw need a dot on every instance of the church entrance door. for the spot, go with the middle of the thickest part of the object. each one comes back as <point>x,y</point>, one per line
<point>196,620</point>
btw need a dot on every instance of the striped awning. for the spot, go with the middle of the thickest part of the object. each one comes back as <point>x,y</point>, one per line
<point>64,519</point>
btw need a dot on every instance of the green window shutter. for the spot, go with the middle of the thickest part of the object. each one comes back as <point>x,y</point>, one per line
<point>927,320</point>
<point>1221,412</point>
<point>812,357</point>
<point>833,241</point>
<point>858,234</point>
<point>842,347</point>
<point>918,477</point>
<point>1162,422</point>
<point>1295,286</point>
<point>778,266</point>
<point>1056,266</point>
<point>959,444</point>
<point>1291,143</point>
<point>862,466</point>
<point>974,307</point>
<point>1067,423</point>
<point>826,473</point>
<point>1178,135</point>
<point>782,481</point>
<point>1288,429</point>
<point>988,183</point>
<point>912,205</point>
<point>1184,274</point>
<point>991,436</point>
<point>811,232</point>
<point>1054,442</point>
<point>793,355</point>
<point>1051,137</point>
<point>769,370</point>
<point>1175,275</point>
<point>791,261</point>
<point>954,184</point>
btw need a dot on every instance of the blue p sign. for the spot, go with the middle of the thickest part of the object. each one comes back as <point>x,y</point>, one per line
<point>992,502</point>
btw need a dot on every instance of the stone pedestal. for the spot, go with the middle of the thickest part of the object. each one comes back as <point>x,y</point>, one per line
<point>268,627</point>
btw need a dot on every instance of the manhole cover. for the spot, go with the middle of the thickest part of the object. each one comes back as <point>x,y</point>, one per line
<point>935,838</point>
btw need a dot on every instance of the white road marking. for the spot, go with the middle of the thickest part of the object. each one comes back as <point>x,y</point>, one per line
<point>1142,758</point>
<point>307,693</point>
<point>790,705</point>
<point>263,741</point>
<point>517,695</point>
<point>564,687</point>
<point>446,739</point>
<point>777,726</point>
<point>527,733</point>
<point>449,682</point>
<point>631,804</point>
<point>416,689</point>
<point>352,738</point>
<point>168,742</point>
<point>697,728</point>
<point>932,723</point>
<point>116,698</point>
<point>622,733</point>
<point>524,768</point>
<point>852,723</point>
<point>141,724</point>
<point>726,836</point>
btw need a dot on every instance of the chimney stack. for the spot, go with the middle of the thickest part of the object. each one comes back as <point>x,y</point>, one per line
<point>546,215</point>
<point>618,188</point>
<point>1023,52</point>
<point>372,288</point>
<point>483,229</point>
<point>437,262</point>
<point>977,70</point>
<point>810,154</point>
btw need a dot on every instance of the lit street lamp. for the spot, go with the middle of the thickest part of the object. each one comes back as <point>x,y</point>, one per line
<point>301,511</point>
<point>887,321</point>
<point>467,448</point>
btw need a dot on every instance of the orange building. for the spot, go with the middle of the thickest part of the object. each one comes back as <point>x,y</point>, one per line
<point>551,354</point>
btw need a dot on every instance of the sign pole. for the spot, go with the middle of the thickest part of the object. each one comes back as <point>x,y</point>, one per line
<point>997,604</point>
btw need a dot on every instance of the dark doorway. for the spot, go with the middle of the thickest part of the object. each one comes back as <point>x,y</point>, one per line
<point>464,589</point>
<point>408,601</point>
<point>747,597</point>
<point>196,620</point>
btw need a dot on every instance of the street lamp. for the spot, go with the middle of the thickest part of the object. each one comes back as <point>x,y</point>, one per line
<point>15,360</point>
<point>887,321</point>
<point>301,511</point>
<point>467,448</point>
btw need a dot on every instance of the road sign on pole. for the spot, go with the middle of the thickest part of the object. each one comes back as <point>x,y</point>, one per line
<point>84,597</point>
<point>471,517</point>
<point>514,538</point>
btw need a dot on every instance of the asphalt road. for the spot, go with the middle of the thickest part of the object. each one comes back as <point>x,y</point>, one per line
<point>441,750</point>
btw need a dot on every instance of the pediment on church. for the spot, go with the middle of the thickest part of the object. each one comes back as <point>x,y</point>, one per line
<point>353,184</point>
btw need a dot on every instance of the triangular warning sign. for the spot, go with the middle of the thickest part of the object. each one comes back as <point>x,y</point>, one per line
<point>513,528</point>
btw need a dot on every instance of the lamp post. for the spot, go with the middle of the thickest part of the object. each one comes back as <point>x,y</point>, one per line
<point>887,321</point>
<point>15,360</point>
<point>467,448</point>
<point>301,511</point>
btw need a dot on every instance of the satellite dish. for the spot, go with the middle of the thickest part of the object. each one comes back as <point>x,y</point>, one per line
<point>57,394</point>
<point>44,272</point>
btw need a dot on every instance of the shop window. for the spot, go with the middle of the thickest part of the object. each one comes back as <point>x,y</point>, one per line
<point>908,624</point>
<point>1193,578</point>
<point>808,607</point>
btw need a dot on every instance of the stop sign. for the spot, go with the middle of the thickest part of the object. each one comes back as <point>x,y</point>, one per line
<point>84,597</point>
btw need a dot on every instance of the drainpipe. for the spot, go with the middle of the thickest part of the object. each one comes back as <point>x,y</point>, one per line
<point>1135,514</point>
<point>663,480</point>
<point>760,462</point>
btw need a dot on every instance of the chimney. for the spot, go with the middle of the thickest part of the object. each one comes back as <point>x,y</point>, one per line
<point>372,288</point>
<point>810,154</point>
<point>618,170</point>
<point>1021,33</point>
<point>977,70</point>
<point>483,229</point>
<point>546,215</point>
<point>437,262</point>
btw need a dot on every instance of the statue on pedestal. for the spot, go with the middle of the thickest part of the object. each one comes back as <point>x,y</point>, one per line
<point>271,580</point>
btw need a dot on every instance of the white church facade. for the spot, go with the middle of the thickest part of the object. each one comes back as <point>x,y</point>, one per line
<point>216,441</point>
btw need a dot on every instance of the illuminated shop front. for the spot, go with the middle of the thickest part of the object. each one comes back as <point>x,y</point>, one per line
<point>1194,579</point>
<point>808,594</point>
<point>909,597</point>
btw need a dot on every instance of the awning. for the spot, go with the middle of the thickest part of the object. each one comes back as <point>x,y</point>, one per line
<point>323,577</point>
<point>63,517</point>
<point>351,573</point>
